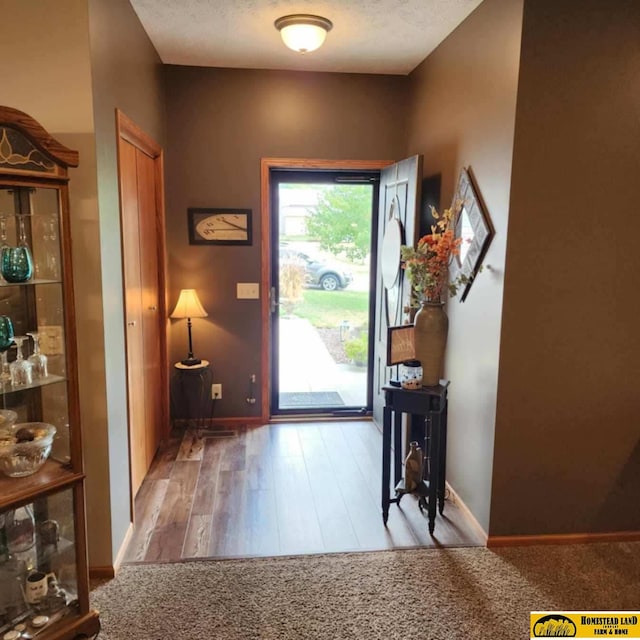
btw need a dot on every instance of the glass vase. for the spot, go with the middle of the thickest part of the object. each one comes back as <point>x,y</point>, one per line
<point>6,340</point>
<point>16,263</point>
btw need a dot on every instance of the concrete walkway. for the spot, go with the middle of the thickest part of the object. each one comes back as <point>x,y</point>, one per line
<point>307,366</point>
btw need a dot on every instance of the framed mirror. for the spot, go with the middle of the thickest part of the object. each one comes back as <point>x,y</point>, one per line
<point>474,227</point>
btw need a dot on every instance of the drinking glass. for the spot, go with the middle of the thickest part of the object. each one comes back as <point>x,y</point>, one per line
<point>20,527</point>
<point>6,340</point>
<point>21,370</point>
<point>3,237</point>
<point>38,359</point>
<point>16,263</point>
<point>53,248</point>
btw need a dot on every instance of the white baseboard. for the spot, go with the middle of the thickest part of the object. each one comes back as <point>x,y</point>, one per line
<point>123,548</point>
<point>466,512</point>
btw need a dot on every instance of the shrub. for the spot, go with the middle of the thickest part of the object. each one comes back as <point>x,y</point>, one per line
<point>357,349</point>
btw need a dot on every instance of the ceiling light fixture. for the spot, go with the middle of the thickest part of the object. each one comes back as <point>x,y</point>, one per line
<point>303,32</point>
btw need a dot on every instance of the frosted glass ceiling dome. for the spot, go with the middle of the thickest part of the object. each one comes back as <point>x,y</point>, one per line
<point>303,32</point>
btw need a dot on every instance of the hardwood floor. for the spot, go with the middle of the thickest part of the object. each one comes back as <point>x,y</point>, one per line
<point>279,489</point>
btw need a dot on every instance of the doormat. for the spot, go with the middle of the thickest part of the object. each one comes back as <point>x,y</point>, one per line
<point>310,399</point>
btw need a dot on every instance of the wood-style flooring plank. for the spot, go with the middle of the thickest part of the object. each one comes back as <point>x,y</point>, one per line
<point>285,440</point>
<point>148,505</point>
<point>166,543</point>
<point>206,487</point>
<point>332,513</point>
<point>197,537</point>
<point>258,459</point>
<point>163,462</point>
<point>192,446</point>
<point>227,528</point>
<point>299,529</point>
<point>176,507</point>
<point>261,529</point>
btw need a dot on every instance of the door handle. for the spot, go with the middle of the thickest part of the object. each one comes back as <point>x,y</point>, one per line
<point>153,308</point>
<point>273,301</point>
<point>131,323</point>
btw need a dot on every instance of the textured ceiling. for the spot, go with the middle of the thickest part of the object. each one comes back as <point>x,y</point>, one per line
<point>368,36</point>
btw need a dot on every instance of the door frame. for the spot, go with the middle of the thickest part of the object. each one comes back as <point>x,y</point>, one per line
<point>266,165</point>
<point>127,130</point>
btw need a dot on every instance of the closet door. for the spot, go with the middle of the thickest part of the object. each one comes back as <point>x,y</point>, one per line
<point>142,225</point>
<point>138,448</point>
<point>149,302</point>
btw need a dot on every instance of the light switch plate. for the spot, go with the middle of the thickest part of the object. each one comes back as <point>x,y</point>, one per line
<point>248,290</point>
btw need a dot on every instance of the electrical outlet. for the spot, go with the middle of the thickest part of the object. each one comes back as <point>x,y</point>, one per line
<point>216,391</point>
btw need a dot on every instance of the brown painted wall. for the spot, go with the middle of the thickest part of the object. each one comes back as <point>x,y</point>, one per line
<point>567,450</point>
<point>463,114</point>
<point>127,74</point>
<point>221,122</point>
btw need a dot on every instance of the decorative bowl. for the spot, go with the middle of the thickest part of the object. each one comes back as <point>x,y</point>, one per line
<point>24,447</point>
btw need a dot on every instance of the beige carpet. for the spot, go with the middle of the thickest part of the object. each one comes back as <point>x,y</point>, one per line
<point>426,594</point>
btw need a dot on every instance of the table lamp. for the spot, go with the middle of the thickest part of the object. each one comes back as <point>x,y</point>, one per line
<point>188,306</point>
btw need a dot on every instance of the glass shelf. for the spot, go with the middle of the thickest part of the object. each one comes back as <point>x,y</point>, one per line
<point>32,281</point>
<point>52,378</point>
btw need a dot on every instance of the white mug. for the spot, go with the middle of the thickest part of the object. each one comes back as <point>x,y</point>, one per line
<point>37,586</point>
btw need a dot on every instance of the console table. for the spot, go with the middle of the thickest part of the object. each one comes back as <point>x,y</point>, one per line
<point>428,410</point>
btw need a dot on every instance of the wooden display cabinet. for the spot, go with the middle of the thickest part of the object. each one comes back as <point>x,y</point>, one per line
<point>42,515</point>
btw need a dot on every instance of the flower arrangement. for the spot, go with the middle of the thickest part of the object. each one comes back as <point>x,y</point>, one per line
<point>427,265</point>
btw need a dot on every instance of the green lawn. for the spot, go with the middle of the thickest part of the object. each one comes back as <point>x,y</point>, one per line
<point>330,308</point>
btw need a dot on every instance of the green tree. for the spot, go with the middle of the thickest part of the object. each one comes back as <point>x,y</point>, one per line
<point>342,220</point>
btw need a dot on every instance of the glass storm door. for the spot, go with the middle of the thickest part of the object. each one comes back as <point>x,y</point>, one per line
<point>321,344</point>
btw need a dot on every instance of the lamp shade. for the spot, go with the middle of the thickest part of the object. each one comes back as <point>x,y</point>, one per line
<point>188,305</point>
<point>303,32</point>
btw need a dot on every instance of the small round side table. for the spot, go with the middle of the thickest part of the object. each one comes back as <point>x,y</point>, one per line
<point>191,392</point>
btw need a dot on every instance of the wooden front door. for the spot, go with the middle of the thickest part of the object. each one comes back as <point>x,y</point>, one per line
<point>397,224</point>
<point>143,252</point>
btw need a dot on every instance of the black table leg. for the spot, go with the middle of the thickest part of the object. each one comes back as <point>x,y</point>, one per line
<point>443,458</point>
<point>386,462</point>
<point>397,448</point>
<point>434,471</point>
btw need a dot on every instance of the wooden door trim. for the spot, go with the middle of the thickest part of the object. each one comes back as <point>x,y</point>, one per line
<point>127,130</point>
<point>266,165</point>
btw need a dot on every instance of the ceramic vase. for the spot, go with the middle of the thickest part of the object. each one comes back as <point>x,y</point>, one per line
<point>431,327</point>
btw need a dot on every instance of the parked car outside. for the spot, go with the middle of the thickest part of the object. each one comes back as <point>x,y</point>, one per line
<point>318,272</point>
